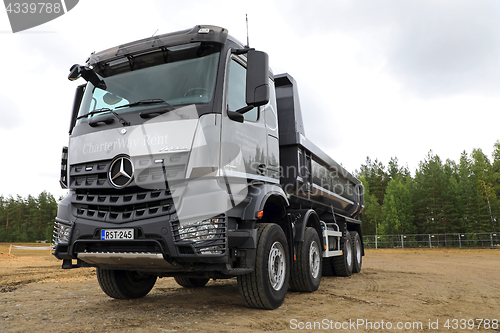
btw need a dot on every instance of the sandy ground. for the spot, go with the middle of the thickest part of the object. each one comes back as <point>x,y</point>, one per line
<point>421,289</point>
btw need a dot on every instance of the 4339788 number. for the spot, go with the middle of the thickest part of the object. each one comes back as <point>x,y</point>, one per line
<point>471,324</point>
<point>34,7</point>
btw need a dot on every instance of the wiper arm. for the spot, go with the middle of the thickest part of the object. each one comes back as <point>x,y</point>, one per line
<point>91,113</point>
<point>120,119</point>
<point>146,101</point>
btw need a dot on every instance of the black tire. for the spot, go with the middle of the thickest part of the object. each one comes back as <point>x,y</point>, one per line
<point>328,267</point>
<point>306,272</point>
<point>191,282</point>
<point>121,284</point>
<point>342,265</point>
<point>357,252</point>
<point>266,286</point>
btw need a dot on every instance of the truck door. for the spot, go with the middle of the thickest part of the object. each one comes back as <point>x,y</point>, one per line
<point>269,114</point>
<point>243,145</point>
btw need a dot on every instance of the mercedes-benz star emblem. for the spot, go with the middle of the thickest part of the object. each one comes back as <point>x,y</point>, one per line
<point>121,172</point>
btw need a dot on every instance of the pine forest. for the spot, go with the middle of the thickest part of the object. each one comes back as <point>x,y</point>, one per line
<point>441,197</point>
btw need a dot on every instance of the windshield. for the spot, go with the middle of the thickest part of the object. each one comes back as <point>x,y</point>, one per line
<point>180,81</point>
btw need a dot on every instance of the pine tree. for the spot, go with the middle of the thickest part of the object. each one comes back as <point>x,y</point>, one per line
<point>481,168</point>
<point>495,179</point>
<point>431,202</point>
<point>372,214</point>
<point>451,195</point>
<point>3,219</point>
<point>32,214</point>
<point>395,170</point>
<point>398,208</point>
<point>12,220</point>
<point>495,168</point>
<point>48,211</point>
<point>376,178</point>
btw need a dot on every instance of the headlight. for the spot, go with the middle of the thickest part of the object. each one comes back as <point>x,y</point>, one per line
<point>62,233</point>
<point>201,230</point>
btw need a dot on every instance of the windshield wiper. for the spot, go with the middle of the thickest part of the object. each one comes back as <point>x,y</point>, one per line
<point>91,113</point>
<point>146,101</point>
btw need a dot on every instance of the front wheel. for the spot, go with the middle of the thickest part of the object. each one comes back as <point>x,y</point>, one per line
<point>266,286</point>
<point>307,269</point>
<point>121,284</point>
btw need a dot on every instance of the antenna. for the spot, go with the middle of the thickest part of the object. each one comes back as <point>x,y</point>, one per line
<point>248,42</point>
<point>155,32</point>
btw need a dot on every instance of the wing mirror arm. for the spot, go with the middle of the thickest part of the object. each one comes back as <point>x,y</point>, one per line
<point>77,71</point>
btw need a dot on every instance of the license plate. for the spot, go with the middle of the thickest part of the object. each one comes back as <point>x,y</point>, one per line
<point>117,234</point>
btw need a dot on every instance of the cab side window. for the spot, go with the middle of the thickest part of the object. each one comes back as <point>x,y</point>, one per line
<point>237,89</point>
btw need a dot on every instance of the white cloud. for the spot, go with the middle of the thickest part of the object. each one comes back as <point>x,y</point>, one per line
<point>433,48</point>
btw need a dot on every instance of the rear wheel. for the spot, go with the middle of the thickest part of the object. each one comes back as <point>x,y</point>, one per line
<point>306,271</point>
<point>191,282</point>
<point>121,284</point>
<point>266,286</point>
<point>342,265</point>
<point>357,252</point>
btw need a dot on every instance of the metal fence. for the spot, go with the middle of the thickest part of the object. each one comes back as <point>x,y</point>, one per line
<point>472,240</point>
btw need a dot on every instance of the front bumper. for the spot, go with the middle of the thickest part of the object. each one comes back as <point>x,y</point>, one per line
<point>154,240</point>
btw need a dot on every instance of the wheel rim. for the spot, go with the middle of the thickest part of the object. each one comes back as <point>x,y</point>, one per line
<point>314,259</point>
<point>276,266</point>
<point>358,251</point>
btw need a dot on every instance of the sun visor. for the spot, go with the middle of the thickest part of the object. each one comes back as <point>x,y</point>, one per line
<point>197,34</point>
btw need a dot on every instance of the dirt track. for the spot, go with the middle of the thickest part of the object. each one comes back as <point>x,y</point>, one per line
<point>393,286</point>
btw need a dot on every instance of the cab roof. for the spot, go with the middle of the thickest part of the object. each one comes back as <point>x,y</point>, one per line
<point>199,33</point>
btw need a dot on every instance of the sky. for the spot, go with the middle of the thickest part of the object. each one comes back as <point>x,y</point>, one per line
<point>378,79</point>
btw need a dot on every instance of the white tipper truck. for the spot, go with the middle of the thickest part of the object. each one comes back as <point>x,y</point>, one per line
<point>187,158</point>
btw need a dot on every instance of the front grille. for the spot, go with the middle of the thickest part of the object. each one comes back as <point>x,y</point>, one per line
<point>92,175</point>
<point>95,198</point>
<point>120,208</point>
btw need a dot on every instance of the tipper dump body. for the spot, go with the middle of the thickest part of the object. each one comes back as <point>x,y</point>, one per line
<point>308,173</point>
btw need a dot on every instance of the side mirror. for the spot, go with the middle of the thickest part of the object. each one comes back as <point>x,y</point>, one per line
<point>257,92</point>
<point>77,71</point>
